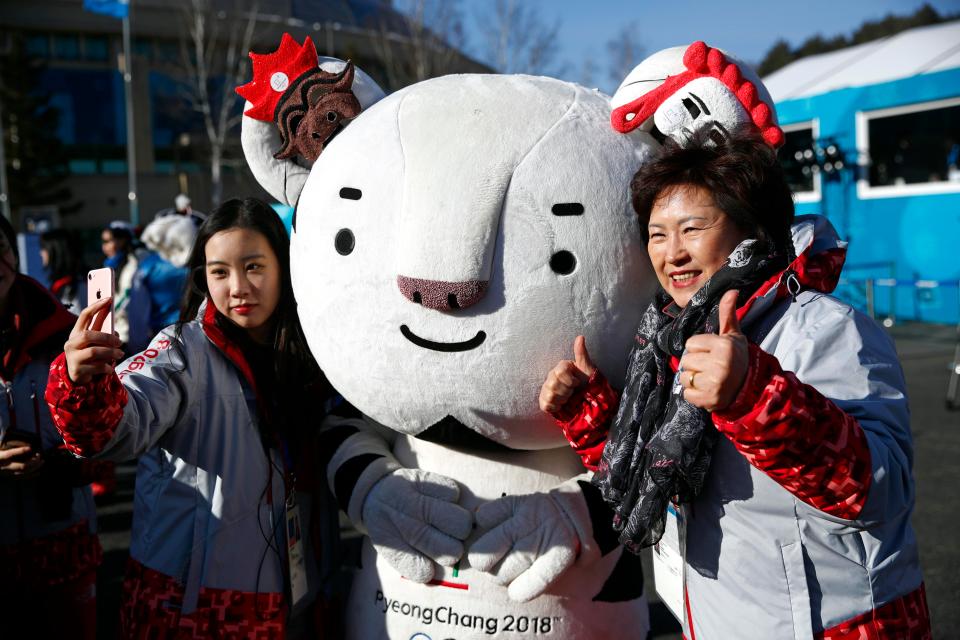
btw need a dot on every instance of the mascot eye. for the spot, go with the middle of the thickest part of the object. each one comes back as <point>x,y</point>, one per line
<point>349,193</point>
<point>567,209</point>
<point>344,242</point>
<point>563,262</point>
<point>331,116</point>
<point>692,108</point>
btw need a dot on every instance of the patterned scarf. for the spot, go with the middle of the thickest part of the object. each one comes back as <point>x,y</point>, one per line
<point>660,445</point>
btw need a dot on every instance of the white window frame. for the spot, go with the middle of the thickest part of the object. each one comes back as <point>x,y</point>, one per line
<point>814,126</point>
<point>867,192</point>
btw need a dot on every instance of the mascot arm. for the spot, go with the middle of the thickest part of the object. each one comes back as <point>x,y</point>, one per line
<point>411,516</point>
<point>529,541</point>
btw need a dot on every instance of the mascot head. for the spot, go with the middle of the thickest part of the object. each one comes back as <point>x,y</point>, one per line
<point>453,240</point>
<point>680,90</point>
<point>451,243</point>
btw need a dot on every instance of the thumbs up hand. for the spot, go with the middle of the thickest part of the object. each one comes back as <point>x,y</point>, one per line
<point>566,377</point>
<point>715,366</point>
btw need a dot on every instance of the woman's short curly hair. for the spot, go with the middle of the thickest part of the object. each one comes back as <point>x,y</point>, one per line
<point>741,173</point>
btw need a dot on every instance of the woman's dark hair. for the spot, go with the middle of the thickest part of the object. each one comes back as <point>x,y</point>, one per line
<point>294,365</point>
<point>63,253</point>
<point>120,230</point>
<point>742,174</point>
<point>123,234</point>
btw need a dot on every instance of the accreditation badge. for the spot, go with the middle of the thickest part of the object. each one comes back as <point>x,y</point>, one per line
<point>298,570</point>
<point>668,564</point>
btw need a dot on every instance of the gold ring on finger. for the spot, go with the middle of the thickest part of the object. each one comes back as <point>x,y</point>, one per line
<point>693,374</point>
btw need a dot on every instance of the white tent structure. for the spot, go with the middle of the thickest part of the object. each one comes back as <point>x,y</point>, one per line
<point>906,54</point>
<point>873,142</point>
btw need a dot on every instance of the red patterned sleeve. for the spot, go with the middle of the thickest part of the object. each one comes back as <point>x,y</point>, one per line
<point>798,437</point>
<point>585,419</point>
<point>85,415</point>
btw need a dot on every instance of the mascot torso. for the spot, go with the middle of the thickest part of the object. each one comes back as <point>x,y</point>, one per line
<point>449,245</point>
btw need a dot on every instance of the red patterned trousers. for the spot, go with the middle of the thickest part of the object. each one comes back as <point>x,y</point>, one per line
<point>151,602</point>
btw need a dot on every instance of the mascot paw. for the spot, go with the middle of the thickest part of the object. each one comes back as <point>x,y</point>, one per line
<point>414,521</point>
<point>527,542</point>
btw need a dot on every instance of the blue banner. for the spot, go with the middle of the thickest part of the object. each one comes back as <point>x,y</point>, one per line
<point>115,8</point>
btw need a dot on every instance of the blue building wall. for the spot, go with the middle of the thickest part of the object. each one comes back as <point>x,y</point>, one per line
<point>908,237</point>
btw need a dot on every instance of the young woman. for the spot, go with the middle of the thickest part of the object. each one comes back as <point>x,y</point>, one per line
<point>49,550</point>
<point>61,256</point>
<point>772,414</point>
<point>220,410</point>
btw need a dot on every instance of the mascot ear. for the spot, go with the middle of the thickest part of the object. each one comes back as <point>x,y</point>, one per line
<point>277,77</point>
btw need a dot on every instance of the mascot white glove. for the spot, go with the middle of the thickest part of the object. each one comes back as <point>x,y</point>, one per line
<point>413,520</point>
<point>411,516</point>
<point>529,541</point>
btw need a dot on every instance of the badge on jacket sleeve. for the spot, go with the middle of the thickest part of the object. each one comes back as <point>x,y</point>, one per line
<point>298,571</point>
<point>668,565</point>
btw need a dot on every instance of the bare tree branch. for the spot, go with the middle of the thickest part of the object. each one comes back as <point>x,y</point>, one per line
<point>588,71</point>
<point>425,44</point>
<point>214,52</point>
<point>625,52</point>
<point>516,39</point>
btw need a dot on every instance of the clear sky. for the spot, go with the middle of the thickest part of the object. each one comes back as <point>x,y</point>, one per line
<point>745,29</point>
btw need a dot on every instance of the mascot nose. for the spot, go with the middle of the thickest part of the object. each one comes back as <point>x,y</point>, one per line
<point>442,296</point>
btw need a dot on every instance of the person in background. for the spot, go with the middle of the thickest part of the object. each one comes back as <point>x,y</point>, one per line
<point>173,231</point>
<point>148,288</point>
<point>184,207</point>
<point>221,411</point>
<point>62,258</point>
<point>772,415</point>
<point>49,551</point>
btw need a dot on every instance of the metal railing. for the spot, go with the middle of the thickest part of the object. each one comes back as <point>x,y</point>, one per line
<point>869,287</point>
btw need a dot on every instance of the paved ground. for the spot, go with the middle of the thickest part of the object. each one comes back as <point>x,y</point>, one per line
<point>925,351</point>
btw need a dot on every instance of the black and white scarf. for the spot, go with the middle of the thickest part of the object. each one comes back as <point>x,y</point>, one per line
<point>660,445</point>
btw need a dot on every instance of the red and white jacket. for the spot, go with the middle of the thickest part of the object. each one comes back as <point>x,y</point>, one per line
<point>803,527</point>
<point>208,548</point>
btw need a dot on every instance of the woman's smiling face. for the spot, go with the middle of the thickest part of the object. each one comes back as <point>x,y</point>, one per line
<point>690,239</point>
<point>243,279</point>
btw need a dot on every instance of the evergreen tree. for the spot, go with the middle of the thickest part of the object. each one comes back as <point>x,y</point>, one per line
<point>780,54</point>
<point>35,157</point>
<point>891,24</point>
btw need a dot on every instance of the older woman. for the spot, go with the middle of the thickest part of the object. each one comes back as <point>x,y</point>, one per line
<point>772,415</point>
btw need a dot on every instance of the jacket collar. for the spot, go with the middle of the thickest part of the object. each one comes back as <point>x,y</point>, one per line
<point>210,321</point>
<point>36,316</point>
<point>59,285</point>
<point>820,256</point>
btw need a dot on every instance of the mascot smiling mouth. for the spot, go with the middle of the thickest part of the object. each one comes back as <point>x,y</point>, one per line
<point>449,347</point>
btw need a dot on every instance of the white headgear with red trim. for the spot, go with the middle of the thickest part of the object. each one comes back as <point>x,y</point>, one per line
<point>678,91</point>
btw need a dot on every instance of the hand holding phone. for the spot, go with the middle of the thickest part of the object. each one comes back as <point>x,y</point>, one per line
<point>92,348</point>
<point>100,285</point>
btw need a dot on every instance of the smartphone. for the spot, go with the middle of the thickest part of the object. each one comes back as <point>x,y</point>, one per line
<point>99,286</point>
